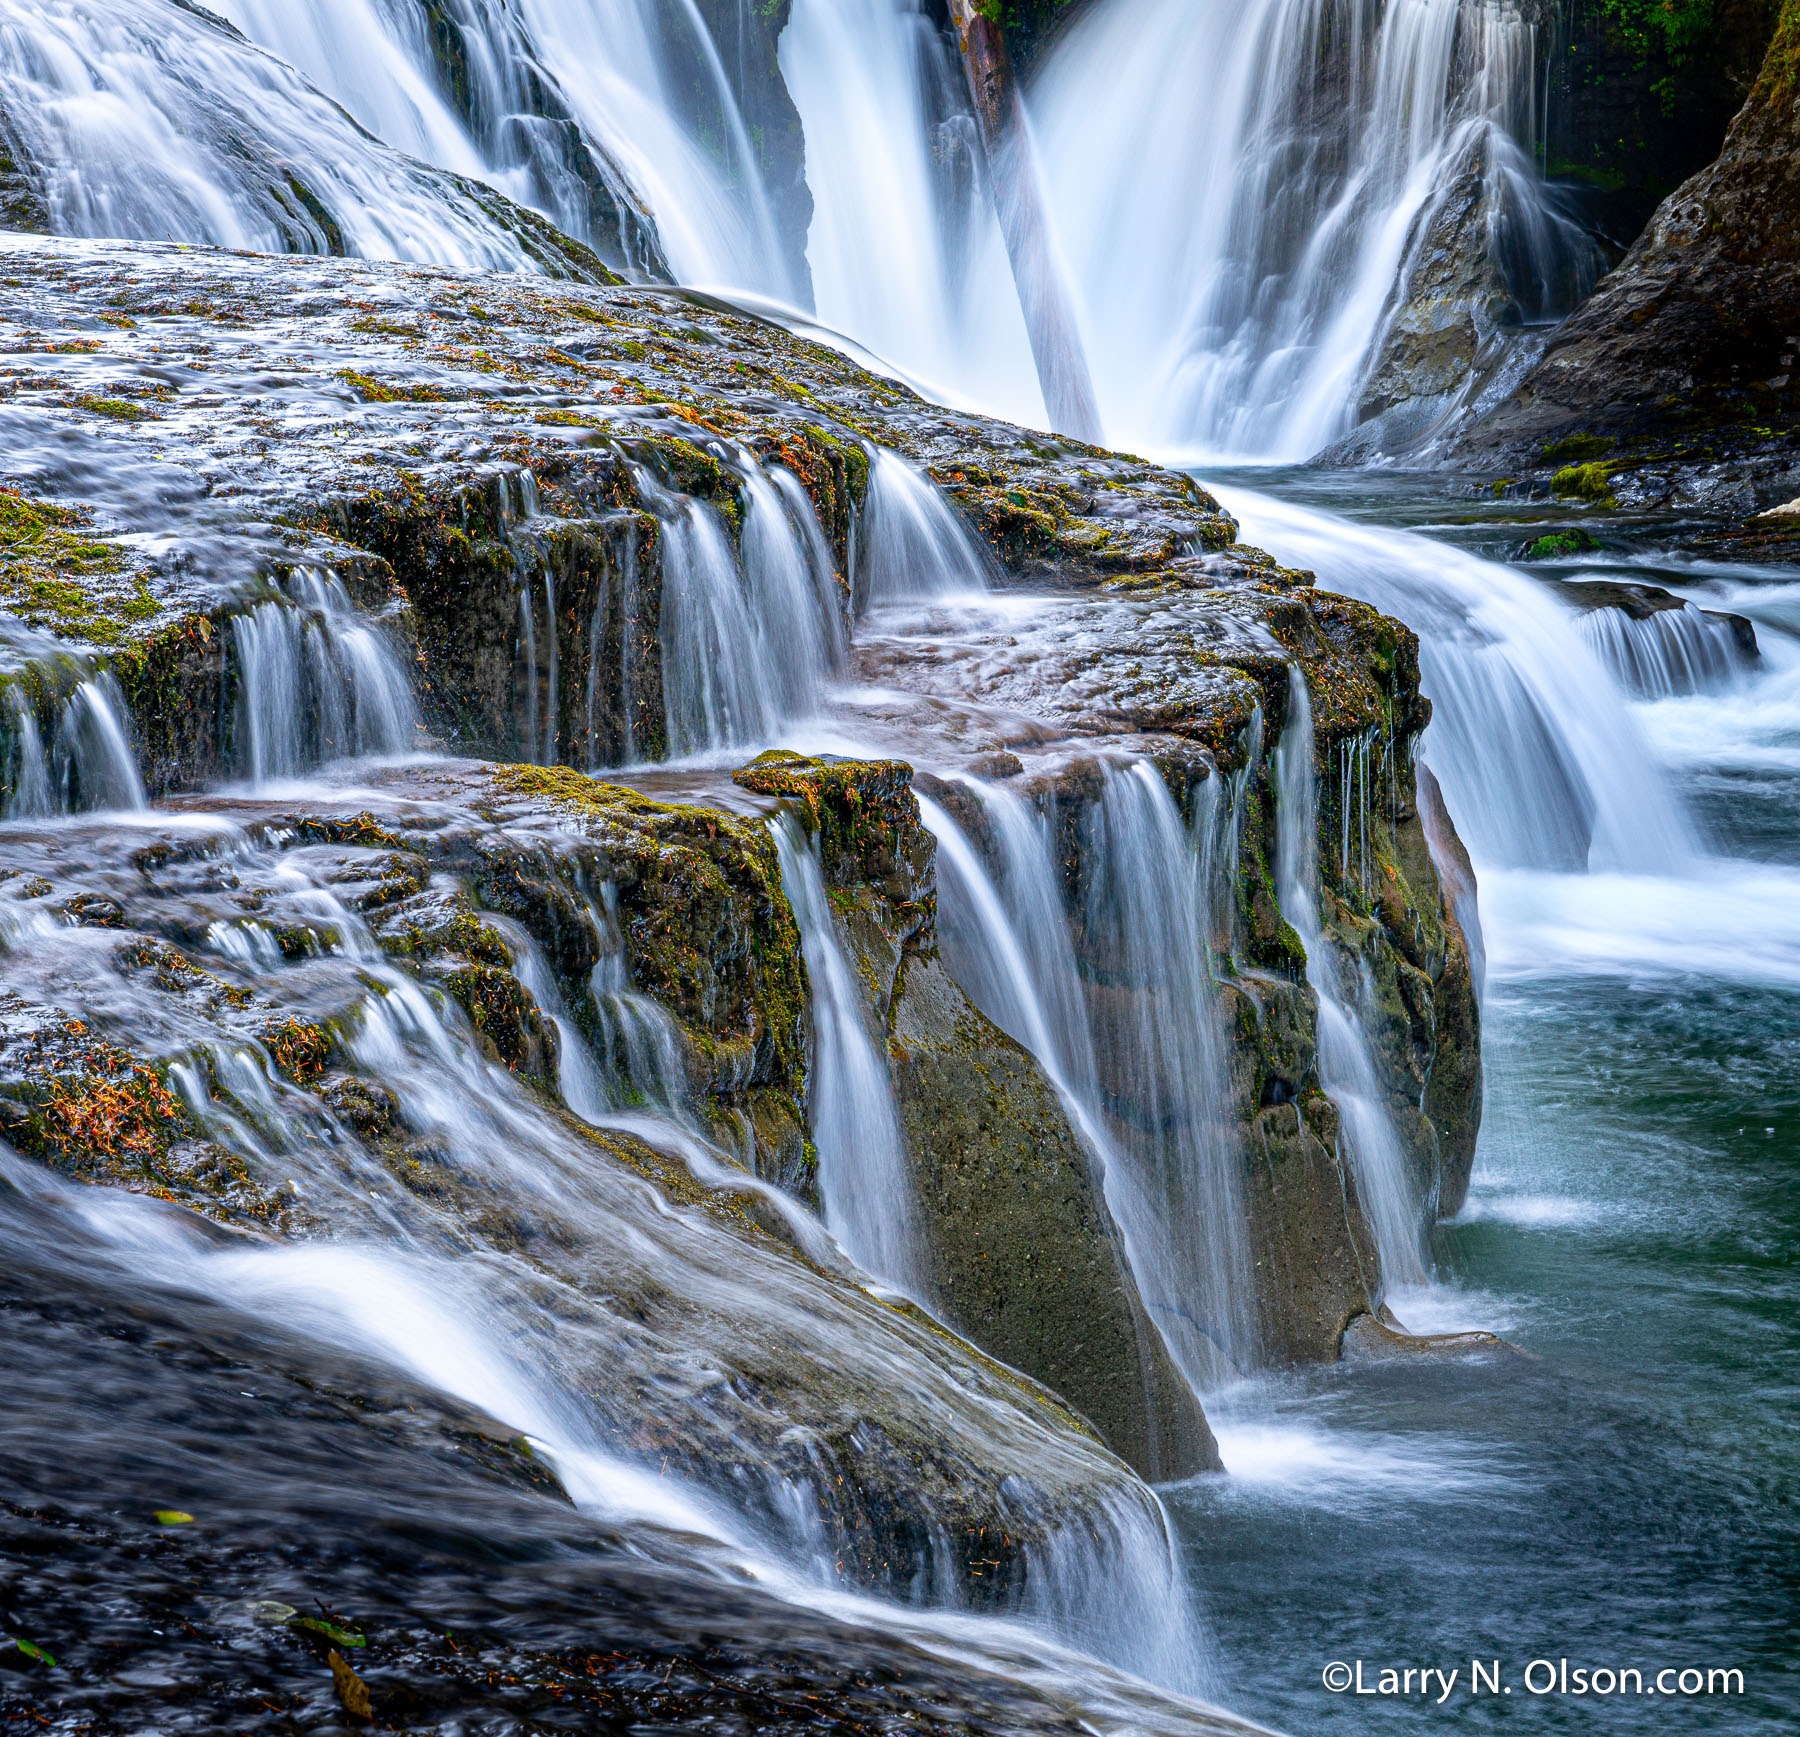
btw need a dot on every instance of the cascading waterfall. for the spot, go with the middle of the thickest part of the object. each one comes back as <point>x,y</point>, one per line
<point>89,762</point>
<point>1346,1068</point>
<point>795,598</point>
<point>316,681</point>
<point>905,249</point>
<point>92,759</point>
<point>1239,253</point>
<point>1236,260</point>
<point>30,781</point>
<point>1669,652</point>
<point>1146,1082</point>
<point>1503,662</point>
<point>864,1179</point>
<point>912,545</point>
<point>1147,928</point>
<point>154,122</point>
<point>750,633</point>
<point>616,118</point>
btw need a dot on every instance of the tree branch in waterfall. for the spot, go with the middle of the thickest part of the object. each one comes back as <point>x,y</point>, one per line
<point>1056,346</point>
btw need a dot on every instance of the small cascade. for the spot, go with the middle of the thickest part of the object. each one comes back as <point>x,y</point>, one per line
<point>30,781</point>
<point>1352,758</point>
<point>799,608</point>
<point>628,631</point>
<point>1502,662</point>
<point>1670,652</point>
<point>864,1179</point>
<point>1151,911</point>
<point>91,762</point>
<point>912,544</point>
<point>713,693</point>
<point>750,630</point>
<point>1140,1062</point>
<point>316,681</point>
<point>634,1036</point>
<point>1346,1068</point>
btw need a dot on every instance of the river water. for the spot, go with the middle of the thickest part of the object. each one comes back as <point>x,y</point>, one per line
<point>1623,1495</point>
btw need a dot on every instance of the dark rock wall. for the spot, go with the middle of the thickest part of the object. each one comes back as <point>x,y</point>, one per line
<point>1689,352</point>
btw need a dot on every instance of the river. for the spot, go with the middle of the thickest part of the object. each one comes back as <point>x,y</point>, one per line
<point>1624,1495</point>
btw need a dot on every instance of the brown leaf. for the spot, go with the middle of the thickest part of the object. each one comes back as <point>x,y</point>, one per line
<point>352,1691</point>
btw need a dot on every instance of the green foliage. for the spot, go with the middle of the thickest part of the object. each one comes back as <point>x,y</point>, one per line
<point>1674,29</point>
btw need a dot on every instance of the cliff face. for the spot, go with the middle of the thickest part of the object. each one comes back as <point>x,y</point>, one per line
<point>1688,355</point>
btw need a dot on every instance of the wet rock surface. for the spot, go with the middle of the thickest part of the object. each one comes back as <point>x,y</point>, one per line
<point>320,1104</point>
<point>552,1033</point>
<point>367,1514</point>
<point>1677,383</point>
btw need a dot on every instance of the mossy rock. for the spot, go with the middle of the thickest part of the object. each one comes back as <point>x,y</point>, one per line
<point>1024,1256</point>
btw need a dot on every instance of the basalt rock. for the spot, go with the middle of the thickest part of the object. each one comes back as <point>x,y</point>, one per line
<point>646,1261</point>
<point>1678,381</point>
<point>486,464</point>
<point>1023,1253</point>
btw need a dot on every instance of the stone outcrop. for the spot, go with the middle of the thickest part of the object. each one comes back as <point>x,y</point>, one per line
<point>1023,1254</point>
<point>467,456</point>
<point>1452,308</point>
<point>1678,381</point>
<point>485,1158</point>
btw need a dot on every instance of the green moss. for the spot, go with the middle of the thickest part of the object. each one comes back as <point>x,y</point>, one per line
<point>54,576</point>
<point>1559,544</point>
<point>1585,482</point>
<point>1577,448</point>
<point>117,408</point>
<point>375,391</point>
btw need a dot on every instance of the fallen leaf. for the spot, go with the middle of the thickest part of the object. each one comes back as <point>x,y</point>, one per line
<point>352,1691</point>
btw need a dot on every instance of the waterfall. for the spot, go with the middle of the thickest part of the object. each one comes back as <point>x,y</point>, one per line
<point>750,633</point>
<point>795,600</point>
<point>905,249</point>
<point>31,794</point>
<point>1503,661</point>
<point>1234,261</point>
<point>1368,1138</point>
<point>912,545</point>
<point>1146,1079</point>
<point>865,1182</point>
<point>151,121</point>
<point>616,118</point>
<point>635,1038</point>
<point>316,681</point>
<point>91,763</point>
<point>1147,929</point>
<point>1240,189</point>
<point>1669,652</point>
